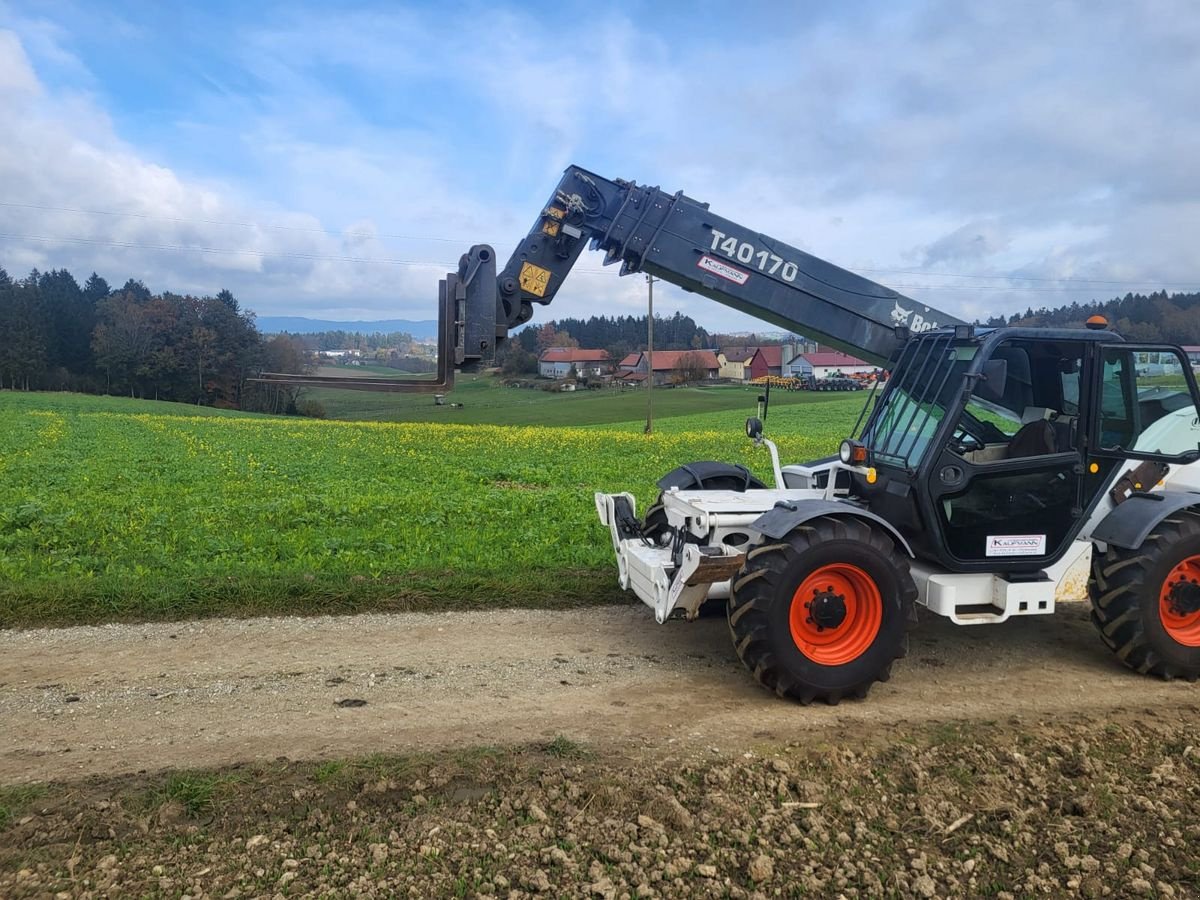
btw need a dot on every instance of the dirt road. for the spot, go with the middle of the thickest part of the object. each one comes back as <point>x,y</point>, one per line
<point>116,699</point>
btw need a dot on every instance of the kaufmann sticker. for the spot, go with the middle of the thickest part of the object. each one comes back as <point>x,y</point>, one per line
<point>1016,545</point>
<point>723,270</point>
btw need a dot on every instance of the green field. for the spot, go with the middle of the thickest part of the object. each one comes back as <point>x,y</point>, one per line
<point>123,509</point>
<point>486,401</point>
<point>366,371</point>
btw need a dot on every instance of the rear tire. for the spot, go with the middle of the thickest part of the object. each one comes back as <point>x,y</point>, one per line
<point>1142,612</point>
<point>824,613</point>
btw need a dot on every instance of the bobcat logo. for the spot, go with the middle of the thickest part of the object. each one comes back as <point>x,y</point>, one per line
<point>918,323</point>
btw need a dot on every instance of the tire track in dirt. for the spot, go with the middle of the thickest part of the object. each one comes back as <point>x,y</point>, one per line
<point>126,698</point>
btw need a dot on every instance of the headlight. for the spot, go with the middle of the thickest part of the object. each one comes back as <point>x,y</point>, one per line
<point>852,453</point>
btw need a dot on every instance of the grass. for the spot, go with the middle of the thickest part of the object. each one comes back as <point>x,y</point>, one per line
<point>565,748</point>
<point>369,371</point>
<point>486,401</point>
<point>194,791</point>
<point>329,771</point>
<point>15,800</point>
<point>114,509</point>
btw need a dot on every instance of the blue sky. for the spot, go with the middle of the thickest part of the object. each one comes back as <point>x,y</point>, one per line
<point>333,160</point>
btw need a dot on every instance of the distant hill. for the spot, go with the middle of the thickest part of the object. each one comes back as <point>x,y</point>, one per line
<point>426,328</point>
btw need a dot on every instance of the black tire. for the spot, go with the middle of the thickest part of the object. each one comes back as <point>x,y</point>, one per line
<point>766,589</point>
<point>1125,588</point>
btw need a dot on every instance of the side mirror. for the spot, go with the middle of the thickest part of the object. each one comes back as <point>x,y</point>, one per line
<point>754,428</point>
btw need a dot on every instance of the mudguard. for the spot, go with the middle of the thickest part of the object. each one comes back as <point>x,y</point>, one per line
<point>1128,524</point>
<point>787,514</point>
<point>699,474</point>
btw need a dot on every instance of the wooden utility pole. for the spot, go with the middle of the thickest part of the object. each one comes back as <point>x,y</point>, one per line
<point>650,279</point>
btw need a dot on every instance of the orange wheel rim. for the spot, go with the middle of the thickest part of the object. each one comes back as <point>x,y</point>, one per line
<point>1179,603</point>
<point>836,614</point>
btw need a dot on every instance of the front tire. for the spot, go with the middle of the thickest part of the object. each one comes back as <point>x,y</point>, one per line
<point>824,613</point>
<point>1146,602</point>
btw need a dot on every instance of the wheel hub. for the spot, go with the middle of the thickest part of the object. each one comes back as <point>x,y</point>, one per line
<point>827,609</point>
<point>1183,598</point>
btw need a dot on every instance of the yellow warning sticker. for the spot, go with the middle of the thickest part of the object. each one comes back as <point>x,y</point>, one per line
<point>555,212</point>
<point>550,228</point>
<point>534,279</point>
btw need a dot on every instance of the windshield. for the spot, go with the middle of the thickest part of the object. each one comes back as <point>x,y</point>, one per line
<point>908,415</point>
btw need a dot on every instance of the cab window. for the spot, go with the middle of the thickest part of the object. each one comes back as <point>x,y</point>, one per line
<point>1146,403</point>
<point>1025,404</point>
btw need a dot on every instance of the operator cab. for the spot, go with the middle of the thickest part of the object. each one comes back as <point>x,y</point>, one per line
<point>990,447</point>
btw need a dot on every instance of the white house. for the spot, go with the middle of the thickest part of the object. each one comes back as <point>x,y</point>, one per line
<point>557,362</point>
<point>826,363</point>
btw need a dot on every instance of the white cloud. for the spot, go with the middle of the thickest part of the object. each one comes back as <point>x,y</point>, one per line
<point>16,73</point>
<point>1016,142</point>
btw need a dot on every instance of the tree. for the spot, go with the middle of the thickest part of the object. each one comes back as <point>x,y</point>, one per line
<point>518,361</point>
<point>548,336</point>
<point>123,337</point>
<point>71,319</point>
<point>96,289</point>
<point>689,368</point>
<point>24,351</point>
<point>282,353</point>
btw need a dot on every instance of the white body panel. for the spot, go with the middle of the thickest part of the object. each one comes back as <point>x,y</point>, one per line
<point>723,523</point>
<point>984,598</point>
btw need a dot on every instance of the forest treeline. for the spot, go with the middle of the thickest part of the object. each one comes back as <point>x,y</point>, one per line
<point>57,335</point>
<point>619,335</point>
<point>1170,318</point>
<point>1158,317</point>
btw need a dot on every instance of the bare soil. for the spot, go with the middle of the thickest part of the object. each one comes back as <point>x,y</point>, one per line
<point>128,698</point>
<point>582,753</point>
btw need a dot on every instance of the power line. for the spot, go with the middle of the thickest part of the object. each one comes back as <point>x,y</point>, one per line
<point>264,254</point>
<point>435,264</point>
<point>187,221</point>
<point>228,250</point>
<point>924,273</point>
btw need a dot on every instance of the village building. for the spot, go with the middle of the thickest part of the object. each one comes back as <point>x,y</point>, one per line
<point>749,363</point>
<point>557,362</point>
<point>667,364</point>
<point>733,362</point>
<point>628,363</point>
<point>827,363</point>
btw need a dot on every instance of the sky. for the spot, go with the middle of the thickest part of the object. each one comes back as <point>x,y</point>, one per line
<point>334,160</point>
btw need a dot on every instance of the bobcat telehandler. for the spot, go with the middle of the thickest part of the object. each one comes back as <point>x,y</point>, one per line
<point>994,463</point>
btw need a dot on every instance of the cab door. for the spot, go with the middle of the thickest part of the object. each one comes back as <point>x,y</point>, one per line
<point>1007,488</point>
<point>1146,405</point>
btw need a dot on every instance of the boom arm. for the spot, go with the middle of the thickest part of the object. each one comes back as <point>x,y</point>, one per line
<point>677,239</point>
<point>668,235</point>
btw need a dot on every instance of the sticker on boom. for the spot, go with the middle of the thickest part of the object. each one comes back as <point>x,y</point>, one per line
<point>534,279</point>
<point>723,270</point>
<point>1016,545</point>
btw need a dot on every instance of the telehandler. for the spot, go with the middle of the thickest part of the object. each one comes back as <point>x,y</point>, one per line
<point>993,464</point>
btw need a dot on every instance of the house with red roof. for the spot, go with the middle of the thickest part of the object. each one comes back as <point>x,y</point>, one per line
<point>628,363</point>
<point>557,362</point>
<point>826,362</point>
<point>669,363</point>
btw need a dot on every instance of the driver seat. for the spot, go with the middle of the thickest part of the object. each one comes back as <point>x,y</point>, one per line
<point>1037,437</point>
